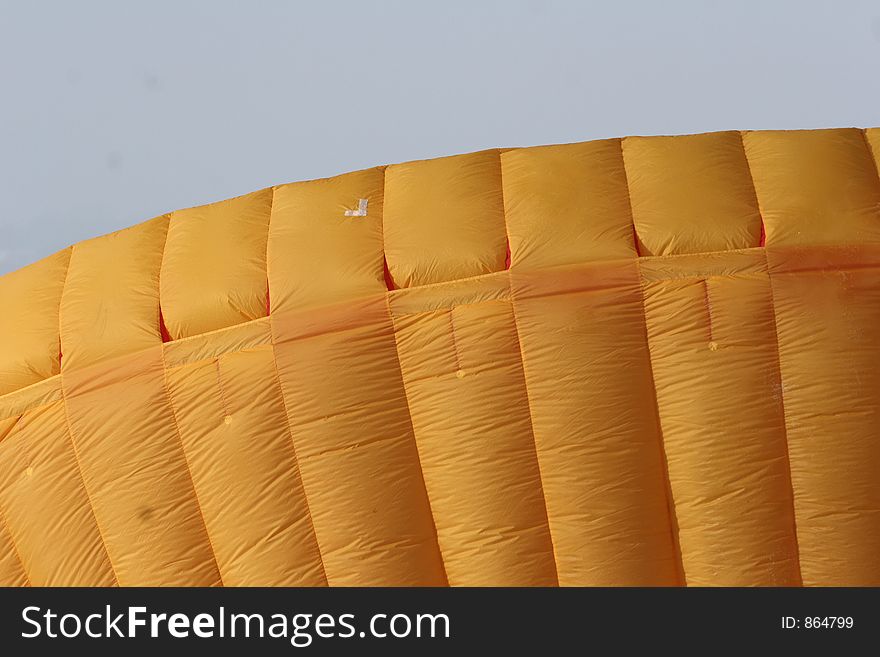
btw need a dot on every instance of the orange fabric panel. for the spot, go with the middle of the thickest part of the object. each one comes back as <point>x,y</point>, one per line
<point>828,318</point>
<point>470,413</point>
<point>30,345</point>
<point>352,390</point>
<point>872,136</point>
<point>713,352</point>
<point>18,403</point>
<point>444,219</point>
<point>213,345</point>
<point>595,421</point>
<point>691,194</point>
<point>135,472</point>
<point>46,508</point>
<point>317,254</point>
<point>347,410</point>
<point>815,186</point>
<point>214,269</point>
<point>240,452</point>
<point>110,304</point>
<point>567,204</point>
<point>12,571</point>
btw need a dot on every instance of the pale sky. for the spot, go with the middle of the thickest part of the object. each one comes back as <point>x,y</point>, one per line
<point>114,112</point>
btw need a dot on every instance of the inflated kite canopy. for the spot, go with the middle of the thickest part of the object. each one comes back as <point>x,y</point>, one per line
<point>647,361</point>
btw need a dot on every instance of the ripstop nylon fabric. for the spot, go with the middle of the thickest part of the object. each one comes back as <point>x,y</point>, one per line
<point>638,361</point>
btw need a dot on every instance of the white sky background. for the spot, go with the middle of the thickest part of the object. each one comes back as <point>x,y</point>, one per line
<point>114,112</point>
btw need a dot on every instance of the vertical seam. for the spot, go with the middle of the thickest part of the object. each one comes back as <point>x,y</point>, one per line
<point>160,321</point>
<point>82,482</point>
<point>170,401</point>
<point>871,154</point>
<point>69,431</point>
<point>14,428</point>
<point>678,560</point>
<point>763,237</point>
<point>525,382</point>
<point>60,299</point>
<point>778,359</point>
<point>15,549</point>
<point>296,459</point>
<point>386,268</point>
<point>186,464</point>
<point>223,398</point>
<point>415,441</point>
<point>268,241</point>
<point>672,516</point>
<point>707,299</point>
<point>390,285</point>
<point>778,363</point>
<point>454,340</point>
<point>508,255</point>
<point>661,443</point>
<point>632,216</point>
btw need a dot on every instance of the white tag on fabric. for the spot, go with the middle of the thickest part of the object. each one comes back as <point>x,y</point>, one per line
<point>360,212</point>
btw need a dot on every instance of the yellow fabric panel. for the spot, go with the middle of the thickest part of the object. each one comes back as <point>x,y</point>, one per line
<point>214,269</point>
<point>209,346</point>
<point>317,254</point>
<point>728,264</point>
<point>646,397</point>
<point>815,186</point>
<point>470,413</point>
<point>872,136</point>
<point>437,297</point>
<point>691,194</point>
<point>135,472</point>
<point>592,404</point>
<point>110,304</point>
<point>354,442</point>
<point>828,318</point>
<point>444,219</point>
<point>19,402</point>
<point>567,204</point>
<point>45,505</point>
<point>12,571</point>
<point>240,452</point>
<point>713,352</point>
<point>30,347</point>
